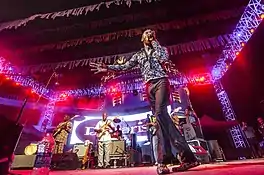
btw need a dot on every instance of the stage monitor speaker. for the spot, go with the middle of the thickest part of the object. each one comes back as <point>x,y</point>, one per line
<point>23,161</point>
<point>117,147</point>
<point>9,135</point>
<point>65,161</point>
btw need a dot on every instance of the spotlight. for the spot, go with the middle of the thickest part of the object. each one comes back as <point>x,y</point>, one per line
<point>252,30</point>
<point>57,83</point>
<point>262,16</point>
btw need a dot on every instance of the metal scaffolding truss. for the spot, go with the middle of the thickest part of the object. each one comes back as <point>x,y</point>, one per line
<point>128,86</point>
<point>229,114</point>
<point>248,23</point>
<point>47,116</point>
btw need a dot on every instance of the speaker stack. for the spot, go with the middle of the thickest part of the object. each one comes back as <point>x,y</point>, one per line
<point>65,161</point>
<point>10,132</point>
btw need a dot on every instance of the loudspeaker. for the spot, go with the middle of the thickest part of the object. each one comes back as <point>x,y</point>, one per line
<point>8,144</point>
<point>9,135</point>
<point>117,147</point>
<point>23,161</point>
<point>65,161</point>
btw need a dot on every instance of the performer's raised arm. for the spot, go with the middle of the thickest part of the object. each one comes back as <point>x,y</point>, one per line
<point>99,67</point>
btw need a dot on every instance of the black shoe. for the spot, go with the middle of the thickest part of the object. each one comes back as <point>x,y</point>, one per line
<point>163,169</point>
<point>185,167</point>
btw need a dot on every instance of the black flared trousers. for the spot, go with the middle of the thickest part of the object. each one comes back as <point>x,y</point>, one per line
<point>158,95</point>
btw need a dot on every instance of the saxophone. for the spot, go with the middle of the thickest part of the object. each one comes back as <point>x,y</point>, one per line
<point>86,154</point>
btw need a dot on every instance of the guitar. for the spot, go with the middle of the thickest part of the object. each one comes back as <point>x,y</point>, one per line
<point>59,129</point>
<point>103,129</point>
<point>153,130</point>
<point>152,127</point>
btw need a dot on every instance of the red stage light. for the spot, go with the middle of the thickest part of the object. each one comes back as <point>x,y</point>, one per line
<point>237,53</point>
<point>17,84</point>
<point>243,44</point>
<point>202,79</point>
<point>7,78</point>
<point>63,95</point>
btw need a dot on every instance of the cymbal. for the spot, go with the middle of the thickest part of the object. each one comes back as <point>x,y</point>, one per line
<point>117,120</point>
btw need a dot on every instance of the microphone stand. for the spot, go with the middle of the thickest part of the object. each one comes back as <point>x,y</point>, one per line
<point>127,126</point>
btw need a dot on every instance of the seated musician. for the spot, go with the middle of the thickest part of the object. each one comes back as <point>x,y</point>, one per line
<point>61,133</point>
<point>103,128</point>
<point>118,133</point>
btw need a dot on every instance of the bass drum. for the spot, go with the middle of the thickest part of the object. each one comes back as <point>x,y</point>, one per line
<point>31,149</point>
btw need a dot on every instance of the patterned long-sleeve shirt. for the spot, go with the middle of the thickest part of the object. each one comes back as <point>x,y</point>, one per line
<point>65,128</point>
<point>150,62</point>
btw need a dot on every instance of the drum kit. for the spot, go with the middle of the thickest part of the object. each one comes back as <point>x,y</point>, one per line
<point>115,134</point>
<point>116,120</point>
<point>124,128</point>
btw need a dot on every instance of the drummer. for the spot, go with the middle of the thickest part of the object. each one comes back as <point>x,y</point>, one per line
<point>117,133</point>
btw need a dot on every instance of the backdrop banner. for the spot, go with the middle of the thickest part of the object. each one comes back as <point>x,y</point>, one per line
<point>193,46</point>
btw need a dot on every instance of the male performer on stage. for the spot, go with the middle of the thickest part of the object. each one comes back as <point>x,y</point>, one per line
<point>103,128</point>
<point>152,61</point>
<point>60,134</point>
<point>252,140</point>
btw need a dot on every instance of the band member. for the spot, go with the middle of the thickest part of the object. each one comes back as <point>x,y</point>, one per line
<point>103,128</point>
<point>118,133</point>
<point>190,115</point>
<point>252,140</point>
<point>152,129</point>
<point>153,62</point>
<point>261,126</point>
<point>61,133</point>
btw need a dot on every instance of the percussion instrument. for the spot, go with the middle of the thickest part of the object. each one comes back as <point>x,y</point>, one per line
<point>31,149</point>
<point>117,120</point>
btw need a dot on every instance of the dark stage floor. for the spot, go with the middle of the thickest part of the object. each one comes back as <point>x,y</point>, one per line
<point>243,167</point>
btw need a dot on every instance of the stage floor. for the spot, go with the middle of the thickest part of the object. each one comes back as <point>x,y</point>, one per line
<point>241,167</point>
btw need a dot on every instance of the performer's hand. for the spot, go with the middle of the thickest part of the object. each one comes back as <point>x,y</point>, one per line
<point>151,36</point>
<point>98,67</point>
